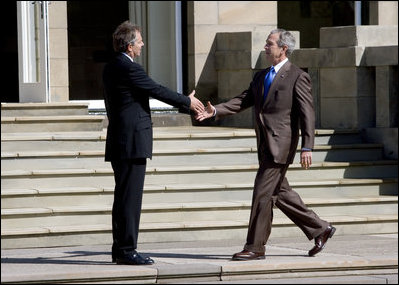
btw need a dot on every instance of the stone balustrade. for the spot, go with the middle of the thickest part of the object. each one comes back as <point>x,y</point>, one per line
<point>354,75</point>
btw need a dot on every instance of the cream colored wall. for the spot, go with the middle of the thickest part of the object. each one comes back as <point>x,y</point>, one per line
<point>58,51</point>
<point>206,19</point>
<point>383,13</point>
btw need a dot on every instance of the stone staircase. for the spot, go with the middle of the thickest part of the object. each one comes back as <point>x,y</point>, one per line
<point>56,189</point>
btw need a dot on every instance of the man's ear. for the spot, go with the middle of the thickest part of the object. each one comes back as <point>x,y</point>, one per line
<point>129,48</point>
<point>285,48</point>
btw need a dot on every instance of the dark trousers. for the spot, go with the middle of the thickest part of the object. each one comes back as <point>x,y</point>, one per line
<point>129,182</point>
<point>272,188</point>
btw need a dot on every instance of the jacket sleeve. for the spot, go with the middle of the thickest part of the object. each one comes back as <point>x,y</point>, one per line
<point>304,99</point>
<point>138,79</point>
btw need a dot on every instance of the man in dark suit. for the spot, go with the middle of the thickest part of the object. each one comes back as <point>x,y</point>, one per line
<point>129,136</point>
<point>282,100</point>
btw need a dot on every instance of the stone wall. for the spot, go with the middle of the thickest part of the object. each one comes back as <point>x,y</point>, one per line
<point>205,20</point>
<point>347,70</point>
<point>383,13</point>
<point>354,78</point>
<point>355,74</point>
<point>58,51</point>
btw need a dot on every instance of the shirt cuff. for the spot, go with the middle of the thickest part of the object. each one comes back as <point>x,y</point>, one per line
<point>306,149</point>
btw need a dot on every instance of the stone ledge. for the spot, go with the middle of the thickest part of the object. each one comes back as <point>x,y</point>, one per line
<point>166,169</point>
<point>161,133</point>
<point>151,227</point>
<point>50,119</point>
<point>193,206</point>
<point>345,57</point>
<point>309,265</point>
<point>96,153</point>
<point>42,105</point>
<point>187,187</point>
<point>370,35</point>
<point>380,56</point>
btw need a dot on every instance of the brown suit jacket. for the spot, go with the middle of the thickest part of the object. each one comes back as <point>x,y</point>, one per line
<point>288,106</point>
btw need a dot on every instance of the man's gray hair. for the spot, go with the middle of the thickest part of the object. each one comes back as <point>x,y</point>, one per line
<point>285,39</point>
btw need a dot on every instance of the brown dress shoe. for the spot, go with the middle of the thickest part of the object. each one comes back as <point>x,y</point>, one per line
<point>248,255</point>
<point>320,241</point>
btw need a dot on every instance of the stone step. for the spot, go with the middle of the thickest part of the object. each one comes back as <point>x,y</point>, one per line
<point>43,109</point>
<point>350,261</point>
<point>223,174</point>
<point>185,193</point>
<point>187,212</point>
<point>191,231</point>
<point>28,160</point>
<point>168,138</point>
<point>54,141</point>
<point>167,119</point>
<point>52,123</point>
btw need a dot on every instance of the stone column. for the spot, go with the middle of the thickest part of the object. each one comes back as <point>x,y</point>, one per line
<point>58,51</point>
<point>386,96</point>
<point>383,13</point>
<point>205,20</point>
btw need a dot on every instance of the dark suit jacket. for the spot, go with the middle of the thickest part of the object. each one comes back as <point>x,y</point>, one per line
<point>127,91</point>
<point>289,104</point>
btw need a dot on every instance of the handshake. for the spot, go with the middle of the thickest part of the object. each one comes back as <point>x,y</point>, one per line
<point>201,112</point>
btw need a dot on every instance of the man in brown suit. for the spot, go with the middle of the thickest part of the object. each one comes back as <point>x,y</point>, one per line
<point>282,100</point>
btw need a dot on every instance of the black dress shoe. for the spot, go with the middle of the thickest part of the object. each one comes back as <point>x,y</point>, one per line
<point>116,252</point>
<point>320,241</point>
<point>114,258</point>
<point>248,255</point>
<point>133,258</point>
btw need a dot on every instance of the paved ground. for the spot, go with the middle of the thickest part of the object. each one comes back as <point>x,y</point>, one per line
<point>365,259</point>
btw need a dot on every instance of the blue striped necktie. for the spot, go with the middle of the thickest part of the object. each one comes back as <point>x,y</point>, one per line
<point>268,81</point>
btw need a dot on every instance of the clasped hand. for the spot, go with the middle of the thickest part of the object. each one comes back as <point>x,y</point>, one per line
<point>196,105</point>
<point>208,112</point>
<point>201,113</point>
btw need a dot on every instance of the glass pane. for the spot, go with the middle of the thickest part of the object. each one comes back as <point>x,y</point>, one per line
<point>31,41</point>
<point>162,43</point>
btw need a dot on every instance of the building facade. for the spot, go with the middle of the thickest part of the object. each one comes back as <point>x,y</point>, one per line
<point>56,51</point>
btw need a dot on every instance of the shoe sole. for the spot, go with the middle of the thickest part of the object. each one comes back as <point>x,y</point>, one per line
<point>127,263</point>
<point>114,260</point>
<point>244,259</point>
<point>332,232</point>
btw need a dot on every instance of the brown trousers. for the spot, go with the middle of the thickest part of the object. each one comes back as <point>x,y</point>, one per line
<point>272,188</point>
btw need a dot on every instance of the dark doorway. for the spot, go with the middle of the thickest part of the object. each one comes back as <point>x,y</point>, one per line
<point>308,17</point>
<point>9,52</point>
<point>90,28</point>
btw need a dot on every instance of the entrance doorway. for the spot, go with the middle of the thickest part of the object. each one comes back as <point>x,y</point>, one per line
<point>9,52</point>
<point>308,17</point>
<point>90,28</point>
